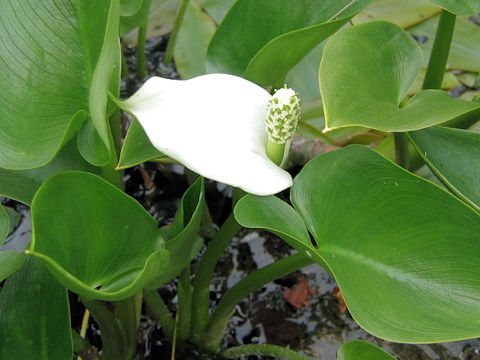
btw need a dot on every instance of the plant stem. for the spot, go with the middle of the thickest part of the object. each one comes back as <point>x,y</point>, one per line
<point>127,313</point>
<point>275,152</point>
<point>441,48</point>
<point>184,291</point>
<point>176,27</point>
<point>402,153</point>
<point>113,347</point>
<point>160,311</point>
<point>203,274</point>
<point>82,347</point>
<point>243,288</point>
<point>263,349</point>
<point>108,171</point>
<point>142,40</point>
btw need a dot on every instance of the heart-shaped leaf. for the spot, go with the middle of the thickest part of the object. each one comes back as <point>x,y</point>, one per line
<point>34,316</point>
<point>243,45</point>
<point>137,148</point>
<point>403,251</point>
<point>10,261</point>
<point>452,154</point>
<point>95,239</point>
<point>365,73</point>
<point>22,185</point>
<point>460,7</point>
<point>362,350</point>
<point>182,235</point>
<point>56,73</point>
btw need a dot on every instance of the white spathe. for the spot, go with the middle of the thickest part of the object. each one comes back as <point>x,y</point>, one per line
<point>214,125</point>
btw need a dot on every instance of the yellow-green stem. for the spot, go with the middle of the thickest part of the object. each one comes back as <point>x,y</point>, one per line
<point>275,151</point>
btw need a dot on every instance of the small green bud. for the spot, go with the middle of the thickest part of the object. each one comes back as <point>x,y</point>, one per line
<point>283,112</point>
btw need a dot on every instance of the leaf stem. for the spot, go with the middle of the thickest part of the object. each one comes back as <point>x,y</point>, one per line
<point>160,311</point>
<point>127,314</point>
<point>265,350</point>
<point>176,27</point>
<point>203,274</point>
<point>113,347</point>
<point>141,41</point>
<point>441,48</point>
<point>184,291</point>
<point>402,153</point>
<point>243,288</point>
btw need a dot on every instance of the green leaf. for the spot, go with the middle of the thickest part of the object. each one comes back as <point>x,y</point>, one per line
<point>96,240</point>
<point>403,251</point>
<point>182,236</point>
<point>4,225</point>
<point>363,83</point>
<point>52,84</point>
<point>460,7</point>
<point>452,155</point>
<point>137,148</point>
<point>362,350</point>
<point>259,51</point>
<point>192,42</point>
<point>10,261</point>
<point>22,185</point>
<point>34,316</point>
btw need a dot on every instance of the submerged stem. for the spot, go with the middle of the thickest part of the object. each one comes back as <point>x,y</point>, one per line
<point>243,288</point>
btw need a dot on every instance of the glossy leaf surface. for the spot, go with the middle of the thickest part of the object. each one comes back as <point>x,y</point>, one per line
<point>452,154</point>
<point>363,83</point>
<point>243,45</point>
<point>460,7</point>
<point>96,240</point>
<point>137,148</point>
<point>34,316</point>
<point>362,350</point>
<point>402,250</point>
<point>10,261</point>
<point>21,185</point>
<point>53,84</point>
<point>182,235</point>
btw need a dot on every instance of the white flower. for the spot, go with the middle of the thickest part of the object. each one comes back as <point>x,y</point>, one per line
<point>214,125</point>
